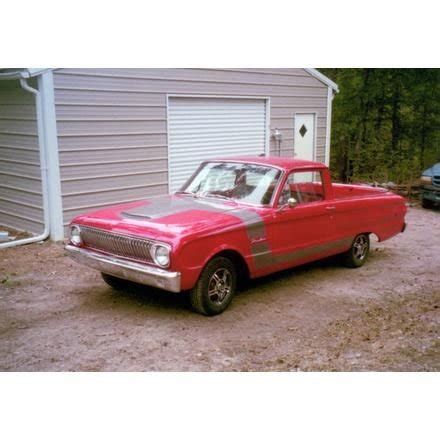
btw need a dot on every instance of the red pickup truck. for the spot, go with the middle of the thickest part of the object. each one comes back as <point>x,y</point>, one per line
<point>235,218</point>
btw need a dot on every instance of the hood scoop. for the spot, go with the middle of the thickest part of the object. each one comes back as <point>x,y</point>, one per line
<point>128,214</point>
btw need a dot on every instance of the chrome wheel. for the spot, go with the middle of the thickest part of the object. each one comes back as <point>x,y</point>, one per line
<point>359,250</point>
<point>215,288</point>
<point>360,247</point>
<point>219,285</point>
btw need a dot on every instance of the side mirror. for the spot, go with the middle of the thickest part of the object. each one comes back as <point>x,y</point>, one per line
<point>292,202</point>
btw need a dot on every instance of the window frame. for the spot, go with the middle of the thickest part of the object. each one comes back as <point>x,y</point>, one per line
<point>285,179</point>
<point>274,198</point>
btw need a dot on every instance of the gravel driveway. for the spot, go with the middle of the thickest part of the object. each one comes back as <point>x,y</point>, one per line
<point>58,316</point>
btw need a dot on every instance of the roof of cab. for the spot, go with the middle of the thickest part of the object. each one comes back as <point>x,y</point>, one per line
<point>285,163</point>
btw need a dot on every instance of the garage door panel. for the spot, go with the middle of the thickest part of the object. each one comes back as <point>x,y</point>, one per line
<point>250,137</point>
<point>203,128</point>
<point>231,151</point>
<point>230,120</point>
<point>215,127</point>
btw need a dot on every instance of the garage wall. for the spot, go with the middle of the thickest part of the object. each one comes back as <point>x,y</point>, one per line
<point>21,205</point>
<point>112,128</point>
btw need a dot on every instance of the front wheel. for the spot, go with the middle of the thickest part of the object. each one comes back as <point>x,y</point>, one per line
<point>358,253</point>
<point>427,204</point>
<point>215,288</point>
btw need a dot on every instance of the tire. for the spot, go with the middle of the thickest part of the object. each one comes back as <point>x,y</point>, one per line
<point>358,253</point>
<point>427,204</point>
<point>215,288</point>
<point>114,282</point>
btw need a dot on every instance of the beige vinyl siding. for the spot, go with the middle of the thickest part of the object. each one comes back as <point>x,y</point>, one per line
<point>20,176</point>
<point>112,124</point>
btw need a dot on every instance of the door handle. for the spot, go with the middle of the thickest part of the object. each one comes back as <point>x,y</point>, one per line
<point>330,208</point>
<point>258,240</point>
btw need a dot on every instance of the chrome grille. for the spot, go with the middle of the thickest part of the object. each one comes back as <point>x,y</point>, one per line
<point>436,181</point>
<point>121,245</point>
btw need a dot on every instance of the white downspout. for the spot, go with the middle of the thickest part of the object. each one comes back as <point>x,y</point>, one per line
<point>328,131</point>
<point>43,165</point>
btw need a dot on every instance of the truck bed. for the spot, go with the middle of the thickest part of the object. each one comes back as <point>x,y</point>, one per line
<point>313,191</point>
<point>343,191</point>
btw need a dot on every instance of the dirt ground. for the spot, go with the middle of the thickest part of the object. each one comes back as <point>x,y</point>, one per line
<point>58,316</point>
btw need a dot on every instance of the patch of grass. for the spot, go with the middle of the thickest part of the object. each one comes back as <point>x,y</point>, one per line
<point>9,282</point>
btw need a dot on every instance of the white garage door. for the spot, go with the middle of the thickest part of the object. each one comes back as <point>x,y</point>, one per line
<point>203,128</point>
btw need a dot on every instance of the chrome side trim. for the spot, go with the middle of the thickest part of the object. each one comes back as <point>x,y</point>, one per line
<point>128,270</point>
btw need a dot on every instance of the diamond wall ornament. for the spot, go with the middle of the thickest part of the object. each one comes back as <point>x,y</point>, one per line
<point>303,130</point>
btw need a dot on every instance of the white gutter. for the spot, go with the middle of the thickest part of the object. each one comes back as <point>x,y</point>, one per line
<point>43,165</point>
<point>21,73</point>
<point>325,80</point>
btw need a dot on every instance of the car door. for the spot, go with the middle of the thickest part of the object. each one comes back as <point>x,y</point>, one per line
<point>303,232</point>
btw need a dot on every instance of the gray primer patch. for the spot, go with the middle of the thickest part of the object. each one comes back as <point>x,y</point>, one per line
<point>251,220</point>
<point>262,254</point>
<point>255,226</point>
<point>267,259</point>
<point>164,206</point>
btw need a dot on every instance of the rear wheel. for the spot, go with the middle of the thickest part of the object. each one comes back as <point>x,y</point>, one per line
<point>115,282</point>
<point>215,288</point>
<point>358,253</point>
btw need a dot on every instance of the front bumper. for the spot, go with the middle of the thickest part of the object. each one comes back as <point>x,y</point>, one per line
<point>431,194</point>
<point>128,270</point>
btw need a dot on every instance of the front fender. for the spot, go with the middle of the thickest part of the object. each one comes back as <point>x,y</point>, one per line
<point>193,255</point>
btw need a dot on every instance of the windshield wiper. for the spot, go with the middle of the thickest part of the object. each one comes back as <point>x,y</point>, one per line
<point>219,196</point>
<point>214,196</point>
<point>188,193</point>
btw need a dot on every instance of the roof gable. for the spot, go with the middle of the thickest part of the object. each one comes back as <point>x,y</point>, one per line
<point>319,76</point>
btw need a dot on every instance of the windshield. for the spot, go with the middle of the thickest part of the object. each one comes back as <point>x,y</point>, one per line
<point>254,184</point>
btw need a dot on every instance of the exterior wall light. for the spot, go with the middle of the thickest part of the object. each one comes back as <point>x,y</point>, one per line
<point>278,136</point>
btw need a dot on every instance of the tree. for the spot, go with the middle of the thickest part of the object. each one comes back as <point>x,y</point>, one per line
<point>385,123</point>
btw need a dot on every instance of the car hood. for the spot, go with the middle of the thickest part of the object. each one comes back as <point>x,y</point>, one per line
<point>433,171</point>
<point>167,218</point>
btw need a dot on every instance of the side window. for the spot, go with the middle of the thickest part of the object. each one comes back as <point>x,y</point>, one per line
<point>304,187</point>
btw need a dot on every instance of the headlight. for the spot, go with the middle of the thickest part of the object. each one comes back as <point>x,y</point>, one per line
<point>426,180</point>
<point>75,235</point>
<point>161,255</point>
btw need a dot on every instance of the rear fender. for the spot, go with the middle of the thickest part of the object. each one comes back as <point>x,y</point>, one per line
<point>394,224</point>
